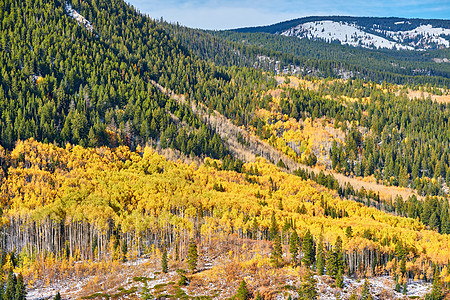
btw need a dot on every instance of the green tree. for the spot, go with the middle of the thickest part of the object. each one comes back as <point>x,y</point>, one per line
<point>258,296</point>
<point>365,293</point>
<point>276,257</point>
<point>164,260</point>
<point>308,289</point>
<point>10,286</point>
<point>20,289</point>
<point>340,279</point>
<point>273,230</point>
<point>124,250</point>
<point>320,256</point>
<point>57,296</point>
<point>242,292</point>
<point>335,260</point>
<point>309,252</point>
<point>192,255</point>
<point>436,292</point>
<point>293,246</point>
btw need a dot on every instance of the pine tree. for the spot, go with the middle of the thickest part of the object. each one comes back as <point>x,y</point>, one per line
<point>365,293</point>
<point>273,230</point>
<point>308,248</point>
<point>404,287</point>
<point>164,260</point>
<point>436,292</point>
<point>258,296</point>
<point>340,279</point>
<point>20,289</point>
<point>293,246</point>
<point>242,292</point>
<point>10,286</point>
<point>58,296</point>
<point>308,289</point>
<point>124,250</point>
<point>320,257</point>
<point>276,258</point>
<point>192,255</point>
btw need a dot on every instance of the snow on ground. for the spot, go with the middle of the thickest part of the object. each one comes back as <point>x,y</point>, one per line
<point>345,33</point>
<point>380,287</point>
<point>79,18</point>
<point>427,34</point>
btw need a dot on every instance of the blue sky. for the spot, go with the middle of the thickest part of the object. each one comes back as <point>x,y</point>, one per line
<point>214,14</point>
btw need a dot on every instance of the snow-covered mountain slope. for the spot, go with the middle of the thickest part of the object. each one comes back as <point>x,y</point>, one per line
<point>347,34</point>
<point>376,33</point>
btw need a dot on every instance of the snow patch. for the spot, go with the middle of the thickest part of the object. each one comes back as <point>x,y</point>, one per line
<point>79,18</point>
<point>345,33</point>
<point>427,34</point>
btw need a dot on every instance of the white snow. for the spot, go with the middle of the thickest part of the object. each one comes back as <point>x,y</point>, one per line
<point>345,33</point>
<point>427,33</point>
<point>79,18</point>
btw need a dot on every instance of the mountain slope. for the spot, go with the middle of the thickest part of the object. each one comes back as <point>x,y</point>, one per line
<point>390,33</point>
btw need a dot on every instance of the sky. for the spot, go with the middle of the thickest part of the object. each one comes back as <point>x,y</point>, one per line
<point>228,14</point>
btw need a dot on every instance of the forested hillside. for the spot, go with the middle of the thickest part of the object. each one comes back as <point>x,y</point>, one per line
<point>92,90</point>
<point>103,204</point>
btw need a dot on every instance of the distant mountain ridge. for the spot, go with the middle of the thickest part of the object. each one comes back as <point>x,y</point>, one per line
<point>367,32</point>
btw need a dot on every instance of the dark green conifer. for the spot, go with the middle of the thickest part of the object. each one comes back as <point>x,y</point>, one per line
<point>164,260</point>
<point>242,292</point>
<point>192,255</point>
<point>309,252</point>
<point>276,257</point>
<point>293,246</point>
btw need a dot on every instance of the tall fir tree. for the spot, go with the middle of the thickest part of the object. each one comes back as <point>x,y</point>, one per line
<point>164,261</point>
<point>293,247</point>
<point>242,292</point>
<point>320,256</point>
<point>10,290</point>
<point>308,287</point>
<point>365,293</point>
<point>276,257</point>
<point>192,255</point>
<point>20,288</point>
<point>57,296</point>
<point>309,252</point>
<point>273,230</point>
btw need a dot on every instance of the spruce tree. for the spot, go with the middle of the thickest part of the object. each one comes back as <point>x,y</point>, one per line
<point>309,253</point>
<point>10,290</point>
<point>276,258</point>
<point>242,292</point>
<point>273,230</point>
<point>58,296</point>
<point>340,279</point>
<point>436,292</point>
<point>258,296</point>
<point>308,288</point>
<point>20,289</point>
<point>293,246</point>
<point>365,293</point>
<point>124,250</point>
<point>320,257</point>
<point>192,255</point>
<point>164,260</point>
